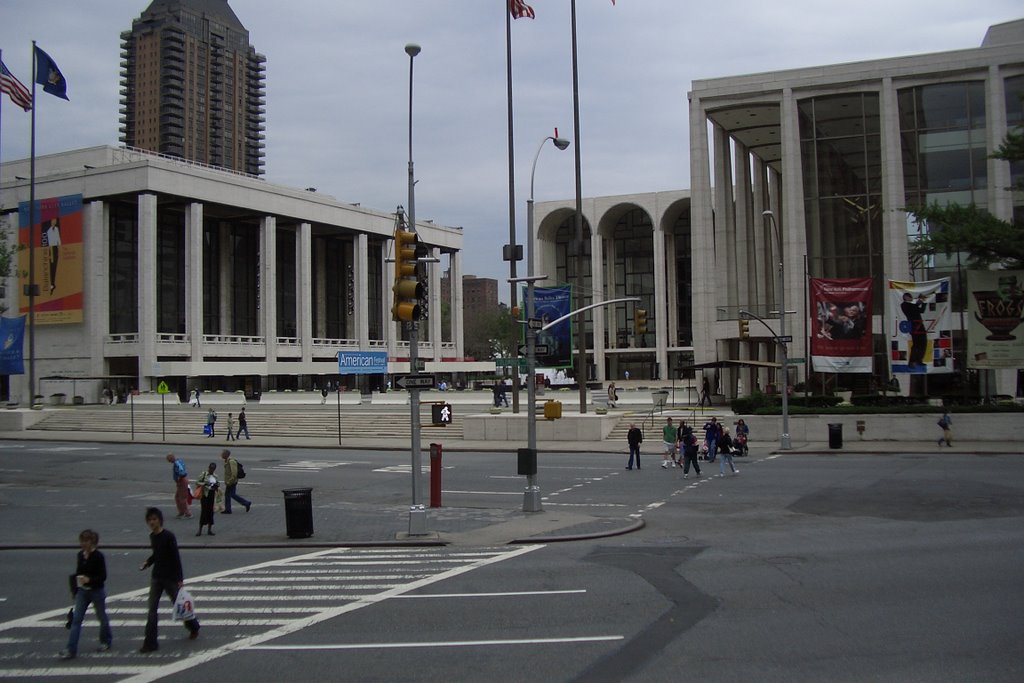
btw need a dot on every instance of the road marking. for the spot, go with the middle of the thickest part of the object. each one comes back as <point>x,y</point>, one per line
<point>487,493</point>
<point>491,595</point>
<point>442,643</point>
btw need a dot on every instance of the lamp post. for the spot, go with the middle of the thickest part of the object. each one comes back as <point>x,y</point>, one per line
<point>417,512</point>
<point>785,444</point>
<point>531,496</point>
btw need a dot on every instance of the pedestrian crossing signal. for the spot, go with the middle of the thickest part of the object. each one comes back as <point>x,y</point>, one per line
<point>441,414</point>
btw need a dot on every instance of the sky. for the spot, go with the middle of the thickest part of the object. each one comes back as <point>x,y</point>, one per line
<point>337,88</point>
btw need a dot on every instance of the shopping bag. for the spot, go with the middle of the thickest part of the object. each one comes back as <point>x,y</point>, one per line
<point>184,608</point>
<point>207,429</point>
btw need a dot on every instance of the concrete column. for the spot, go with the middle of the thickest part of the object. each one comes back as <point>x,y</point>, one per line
<point>319,262</point>
<point>1000,200</point>
<point>661,284</point>
<point>268,285</point>
<point>434,303</point>
<point>725,223</point>
<point>597,283</point>
<point>702,236</point>
<point>227,278</point>
<point>194,279</point>
<point>147,287</point>
<point>739,277</point>
<point>304,256</point>
<point>458,301</point>
<point>360,273</point>
<point>895,251</point>
<point>96,236</point>
<point>608,286</point>
<point>793,226</point>
<point>757,272</point>
<point>670,294</point>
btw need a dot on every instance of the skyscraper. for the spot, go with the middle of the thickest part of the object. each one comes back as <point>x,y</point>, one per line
<point>192,86</point>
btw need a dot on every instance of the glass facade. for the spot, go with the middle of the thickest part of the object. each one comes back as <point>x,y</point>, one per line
<point>123,287</point>
<point>633,275</point>
<point>170,272</point>
<point>287,325</point>
<point>245,256</point>
<point>680,229</point>
<point>568,263</point>
<point>840,146</point>
<point>211,277</point>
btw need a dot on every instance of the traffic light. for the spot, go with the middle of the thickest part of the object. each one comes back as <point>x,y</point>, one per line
<point>408,289</point>
<point>744,329</point>
<point>640,321</point>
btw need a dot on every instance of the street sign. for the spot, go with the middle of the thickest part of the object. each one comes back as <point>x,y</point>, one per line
<point>535,323</point>
<point>787,339</point>
<point>538,350</point>
<point>362,362</point>
<point>162,388</point>
<point>416,381</point>
<point>509,362</point>
<point>441,414</point>
<point>796,361</point>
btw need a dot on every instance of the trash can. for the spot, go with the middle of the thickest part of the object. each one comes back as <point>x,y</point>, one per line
<point>298,512</point>
<point>835,435</point>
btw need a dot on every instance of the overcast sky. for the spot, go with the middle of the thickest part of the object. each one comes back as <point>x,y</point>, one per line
<point>337,88</point>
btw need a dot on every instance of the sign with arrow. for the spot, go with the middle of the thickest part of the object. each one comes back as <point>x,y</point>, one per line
<point>538,350</point>
<point>416,381</point>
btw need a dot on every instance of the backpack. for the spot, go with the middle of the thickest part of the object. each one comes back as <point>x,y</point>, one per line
<point>241,470</point>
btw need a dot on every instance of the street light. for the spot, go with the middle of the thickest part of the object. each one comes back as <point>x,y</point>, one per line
<point>531,496</point>
<point>417,511</point>
<point>785,445</point>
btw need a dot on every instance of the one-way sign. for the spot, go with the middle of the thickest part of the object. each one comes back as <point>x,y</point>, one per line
<point>538,349</point>
<point>416,381</point>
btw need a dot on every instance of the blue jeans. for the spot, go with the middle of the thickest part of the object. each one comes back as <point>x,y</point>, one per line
<point>231,493</point>
<point>98,598</point>
<point>242,428</point>
<point>634,451</point>
<point>156,588</point>
<point>712,449</point>
<point>726,458</point>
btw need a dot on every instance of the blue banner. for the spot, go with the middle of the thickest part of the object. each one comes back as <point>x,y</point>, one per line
<point>362,362</point>
<point>12,340</point>
<point>551,303</point>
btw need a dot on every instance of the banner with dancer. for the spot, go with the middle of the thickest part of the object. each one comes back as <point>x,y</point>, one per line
<point>841,338</point>
<point>551,303</point>
<point>57,250</point>
<point>920,327</point>
<point>995,308</point>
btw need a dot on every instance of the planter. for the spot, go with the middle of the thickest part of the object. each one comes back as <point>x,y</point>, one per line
<point>58,399</point>
<point>78,400</point>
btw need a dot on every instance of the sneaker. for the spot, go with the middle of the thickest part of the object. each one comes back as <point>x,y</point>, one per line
<point>249,505</point>
<point>664,465</point>
<point>66,654</point>
<point>735,472</point>
<point>104,647</point>
<point>686,476</point>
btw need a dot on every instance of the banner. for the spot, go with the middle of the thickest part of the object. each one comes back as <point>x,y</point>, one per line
<point>58,252</point>
<point>551,303</point>
<point>841,338</point>
<point>920,327</point>
<point>995,308</point>
<point>362,362</point>
<point>12,341</point>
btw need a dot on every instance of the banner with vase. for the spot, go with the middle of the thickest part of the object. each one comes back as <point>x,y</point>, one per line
<point>920,333</point>
<point>995,309</point>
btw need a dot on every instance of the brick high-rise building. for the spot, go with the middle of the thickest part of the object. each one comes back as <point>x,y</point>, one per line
<point>192,86</point>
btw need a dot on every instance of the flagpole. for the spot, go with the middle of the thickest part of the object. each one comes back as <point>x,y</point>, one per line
<point>512,256</point>
<point>32,245</point>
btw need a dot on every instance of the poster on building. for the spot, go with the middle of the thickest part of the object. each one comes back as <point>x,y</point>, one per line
<point>995,310</point>
<point>57,252</point>
<point>551,303</point>
<point>841,336</point>
<point>920,327</point>
<point>12,343</point>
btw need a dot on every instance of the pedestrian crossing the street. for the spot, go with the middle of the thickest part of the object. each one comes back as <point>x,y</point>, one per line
<point>239,609</point>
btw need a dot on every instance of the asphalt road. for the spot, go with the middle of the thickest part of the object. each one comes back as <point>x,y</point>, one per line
<point>803,567</point>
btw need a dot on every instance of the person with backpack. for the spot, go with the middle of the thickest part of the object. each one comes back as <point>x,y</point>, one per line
<point>182,497</point>
<point>233,471</point>
<point>211,420</point>
<point>946,424</point>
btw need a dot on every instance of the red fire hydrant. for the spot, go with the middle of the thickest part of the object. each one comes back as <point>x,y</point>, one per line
<point>435,475</point>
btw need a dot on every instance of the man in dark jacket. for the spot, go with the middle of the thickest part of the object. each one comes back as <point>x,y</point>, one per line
<point>167,576</point>
<point>634,437</point>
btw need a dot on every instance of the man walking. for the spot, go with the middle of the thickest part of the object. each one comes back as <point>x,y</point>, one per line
<point>181,495</point>
<point>668,436</point>
<point>711,432</point>
<point>634,437</point>
<point>231,483</point>
<point>243,426</point>
<point>167,577</point>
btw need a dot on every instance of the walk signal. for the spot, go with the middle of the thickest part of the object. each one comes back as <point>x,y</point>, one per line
<point>744,329</point>
<point>408,289</point>
<point>640,321</point>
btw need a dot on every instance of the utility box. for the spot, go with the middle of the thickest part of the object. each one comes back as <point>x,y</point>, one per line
<point>527,461</point>
<point>552,410</point>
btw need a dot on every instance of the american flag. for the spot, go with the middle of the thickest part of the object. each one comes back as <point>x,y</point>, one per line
<point>520,9</point>
<point>18,93</point>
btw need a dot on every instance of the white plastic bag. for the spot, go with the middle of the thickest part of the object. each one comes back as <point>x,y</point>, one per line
<point>184,607</point>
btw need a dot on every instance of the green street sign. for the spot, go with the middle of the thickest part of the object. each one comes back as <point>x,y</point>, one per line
<point>796,361</point>
<point>162,388</point>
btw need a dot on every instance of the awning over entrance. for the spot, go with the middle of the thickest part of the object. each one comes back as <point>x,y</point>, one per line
<point>731,364</point>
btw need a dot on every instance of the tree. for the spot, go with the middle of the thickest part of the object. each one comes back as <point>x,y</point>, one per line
<point>985,239</point>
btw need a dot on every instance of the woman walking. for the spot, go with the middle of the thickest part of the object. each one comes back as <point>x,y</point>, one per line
<point>90,577</point>
<point>208,495</point>
<point>725,450</point>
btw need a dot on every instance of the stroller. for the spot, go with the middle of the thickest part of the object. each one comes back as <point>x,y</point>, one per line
<point>740,445</point>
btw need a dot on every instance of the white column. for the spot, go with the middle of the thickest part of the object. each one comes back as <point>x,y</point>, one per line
<point>895,250</point>
<point>739,277</point>
<point>702,236</point>
<point>147,287</point>
<point>194,279</point>
<point>305,294</point>
<point>360,273</point>
<point>96,236</point>
<point>268,286</point>
<point>434,303</point>
<point>793,227</point>
<point>671,292</point>
<point>597,284</point>
<point>1000,199</point>
<point>608,286</point>
<point>458,301</point>
<point>661,284</point>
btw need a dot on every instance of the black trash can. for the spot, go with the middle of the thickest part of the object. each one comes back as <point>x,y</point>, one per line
<point>835,435</point>
<point>298,512</point>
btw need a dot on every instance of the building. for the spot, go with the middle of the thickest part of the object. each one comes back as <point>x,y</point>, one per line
<point>192,86</point>
<point>835,153</point>
<point>479,296</point>
<point>199,277</point>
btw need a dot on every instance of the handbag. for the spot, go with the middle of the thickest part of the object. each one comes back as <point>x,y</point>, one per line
<point>207,429</point>
<point>184,606</point>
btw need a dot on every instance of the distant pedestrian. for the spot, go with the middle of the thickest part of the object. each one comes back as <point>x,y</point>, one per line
<point>725,448</point>
<point>634,437</point>
<point>167,577</point>
<point>946,423</point>
<point>712,430</point>
<point>689,442</point>
<point>626,375</point>
<point>705,393</point>
<point>231,428</point>
<point>211,423</point>
<point>198,393</point>
<point>243,425</point>
<point>742,436</point>
<point>613,395</point>
<point>230,474</point>
<point>669,435</point>
<point>207,494</point>
<point>323,396</point>
<point>90,577</point>
<point>181,494</point>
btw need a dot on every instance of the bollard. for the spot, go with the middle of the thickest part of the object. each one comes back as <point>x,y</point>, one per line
<point>435,475</point>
